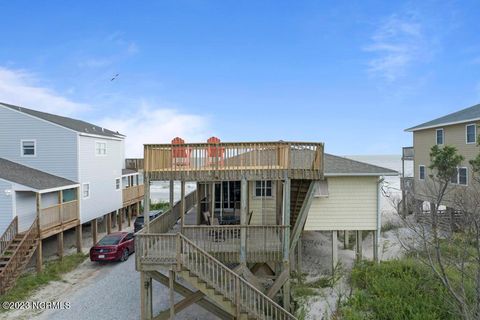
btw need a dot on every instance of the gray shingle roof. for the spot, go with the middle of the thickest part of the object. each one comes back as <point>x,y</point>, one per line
<point>73,124</point>
<point>339,166</point>
<point>33,178</point>
<point>464,115</point>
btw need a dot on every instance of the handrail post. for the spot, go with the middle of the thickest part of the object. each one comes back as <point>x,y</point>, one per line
<point>237,297</point>
<point>179,252</point>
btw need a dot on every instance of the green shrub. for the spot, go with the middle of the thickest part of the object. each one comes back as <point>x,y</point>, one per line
<point>399,289</point>
<point>160,206</point>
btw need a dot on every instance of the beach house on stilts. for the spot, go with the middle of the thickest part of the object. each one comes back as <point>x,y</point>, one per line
<point>252,202</point>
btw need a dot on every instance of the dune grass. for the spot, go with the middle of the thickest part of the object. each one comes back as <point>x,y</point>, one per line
<point>52,271</point>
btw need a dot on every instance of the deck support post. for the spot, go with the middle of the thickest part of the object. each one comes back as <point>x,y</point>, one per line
<point>182,204</point>
<point>119,214</point>
<point>212,201</point>
<point>243,219</point>
<point>286,242</point>
<point>94,229</point>
<point>60,245</point>
<point>299,254</point>
<point>39,246</point>
<point>108,217</point>
<point>137,210</point>
<point>171,199</point>
<point>346,239</point>
<point>78,234</point>
<point>334,251</point>
<point>129,215</point>
<point>375,246</point>
<point>358,251</point>
<point>171,281</point>
<point>199,205</point>
<point>146,203</point>
<point>39,256</point>
<point>145,296</point>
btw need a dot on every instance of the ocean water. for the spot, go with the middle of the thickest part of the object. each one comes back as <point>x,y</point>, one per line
<point>159,190</point>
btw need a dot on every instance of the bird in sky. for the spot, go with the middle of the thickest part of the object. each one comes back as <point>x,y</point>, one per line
<point>115,77</point>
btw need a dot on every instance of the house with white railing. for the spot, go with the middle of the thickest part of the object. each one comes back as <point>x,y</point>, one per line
<point>239,242</point>
<point>57,173</point>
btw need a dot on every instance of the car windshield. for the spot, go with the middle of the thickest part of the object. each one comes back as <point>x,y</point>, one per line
<point>110,240</point>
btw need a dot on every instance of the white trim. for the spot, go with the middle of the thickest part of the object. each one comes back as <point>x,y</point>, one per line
<point>466,133</point>
<point>130,174</point>
<point>360,174</point>
<point>466,177</point>
<point>99,136</point>
<point>72,186</point>
<point>436,137</point>
<point>89,190</point>
<point>424,172</point>
<point>442,124</point>
<point>34,155</point>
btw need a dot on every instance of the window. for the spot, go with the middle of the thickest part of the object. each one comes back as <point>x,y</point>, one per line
<point>86,190</point>
<point>28,148</point>
<point>439,133</point>
<point>460,177</point>
<point>471,133</point>
<point>263,188</point>
<point>421,172</point>
<point>100,148</point>
<point>117,184</point>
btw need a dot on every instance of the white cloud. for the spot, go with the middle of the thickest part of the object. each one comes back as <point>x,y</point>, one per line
<point>397,44</point>
<point>149,124</point>
<point>22,88</point>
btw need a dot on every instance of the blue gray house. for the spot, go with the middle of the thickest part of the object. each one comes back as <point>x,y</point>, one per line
<point>58,173</point>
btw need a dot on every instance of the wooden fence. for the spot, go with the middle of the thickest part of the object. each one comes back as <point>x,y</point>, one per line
<point>8,235</point>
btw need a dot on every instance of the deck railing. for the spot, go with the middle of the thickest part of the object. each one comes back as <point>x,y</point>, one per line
<point>408,153</point>
<point>178,249</point>
<point>164,222</point>
<point>8,235</point>
<point>134,163</point>
<point>227,161</point>
<point>263,242</point>
<point>133,194</point>
<point>57,214</point>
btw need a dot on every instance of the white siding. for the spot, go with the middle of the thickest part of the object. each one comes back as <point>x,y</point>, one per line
<point>26,209</point>
<point>6,205</point>
<point>56,147</point>
<point>351,205</point>
<point>264,208</point>
<point>100,172</point>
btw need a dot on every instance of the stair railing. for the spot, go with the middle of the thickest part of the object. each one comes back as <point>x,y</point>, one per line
<point>17,262</point>
<point>230,284</point>
<point>8,235</point>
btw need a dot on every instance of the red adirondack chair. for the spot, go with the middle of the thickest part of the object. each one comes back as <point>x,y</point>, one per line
<point>180,153</point>
<point>215,154</point>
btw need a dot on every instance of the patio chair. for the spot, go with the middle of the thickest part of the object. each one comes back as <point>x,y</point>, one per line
<point>215,154</point>
<point>180,153</point>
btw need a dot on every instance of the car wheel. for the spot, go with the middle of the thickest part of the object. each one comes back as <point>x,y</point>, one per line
<point>125,255</point>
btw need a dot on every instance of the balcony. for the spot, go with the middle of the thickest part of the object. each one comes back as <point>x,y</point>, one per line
<point>58,217</point>
<point>133,194</point>
<point>134,164</point>
<point>408,153</point>
<point>232,161</point>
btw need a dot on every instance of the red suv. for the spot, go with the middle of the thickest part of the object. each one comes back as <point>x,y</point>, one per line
<point>113,247</point>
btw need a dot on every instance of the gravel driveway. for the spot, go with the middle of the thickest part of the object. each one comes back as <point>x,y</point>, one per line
<point>114,293</point>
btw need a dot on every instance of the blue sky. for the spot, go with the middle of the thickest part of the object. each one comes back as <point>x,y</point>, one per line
<point>350,74</point>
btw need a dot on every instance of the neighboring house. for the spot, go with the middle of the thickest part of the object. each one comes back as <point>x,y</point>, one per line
<point>458,129</point>
<point>253,201</point>
<point>50,164</point>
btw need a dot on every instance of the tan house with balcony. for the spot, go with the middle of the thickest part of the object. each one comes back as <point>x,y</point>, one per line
<point>251,204</point>
<point>458,129</point>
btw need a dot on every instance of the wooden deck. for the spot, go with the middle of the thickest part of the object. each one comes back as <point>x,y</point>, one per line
<point>133,194</point>
<point>232,161</point>
<point>57,218</point>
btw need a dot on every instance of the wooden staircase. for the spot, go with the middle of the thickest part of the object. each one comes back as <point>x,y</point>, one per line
<point>298,193</point>
<point>220,284</point>
<point>16,251</point>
